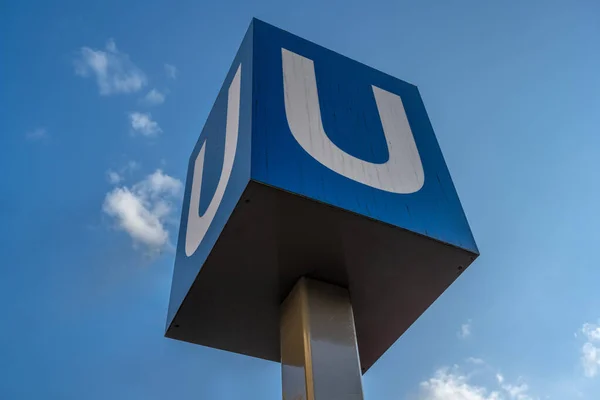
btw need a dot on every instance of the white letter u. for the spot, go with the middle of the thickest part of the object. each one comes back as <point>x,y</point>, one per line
<point>402,173</point>
<point>198,225</point>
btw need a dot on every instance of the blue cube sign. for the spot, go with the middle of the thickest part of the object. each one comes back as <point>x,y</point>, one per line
<point>303,121</point>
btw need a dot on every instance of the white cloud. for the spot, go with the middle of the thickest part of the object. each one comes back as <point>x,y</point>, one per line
<point>454,384</point>
<point>116,177</point>
<point>451,384</point>
<point>134,217</point>
<point>131,166</point>
<point>590,359</point>
<point>465,330</point>
<point>591,332</point>
<point>113,70</point>
<point>143,123</point>
<point>171,71</point>
<point>518,391</point>
<point>144,210</point>
<point>515,391</point>
<point>158,184</point>
<point>113,177</point>
<point>153,98</point>
<point>111,46</point>
<point>475,360</point>
<point>590,351</point>
<point>37,134</point>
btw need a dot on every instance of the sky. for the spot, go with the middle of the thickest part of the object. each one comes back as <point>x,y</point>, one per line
<point>103,101</point>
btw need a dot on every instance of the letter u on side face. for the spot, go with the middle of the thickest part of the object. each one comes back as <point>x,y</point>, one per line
<point>197,225</point>
<point>402,173</point>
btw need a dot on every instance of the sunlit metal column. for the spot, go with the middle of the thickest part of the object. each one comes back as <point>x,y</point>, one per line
<point>319,355</point>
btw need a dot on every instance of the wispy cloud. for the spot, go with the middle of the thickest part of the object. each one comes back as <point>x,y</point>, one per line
<point>452,384</point>
<point>516,391</point>
<point>465,330</point>
<point>455,384</point>
<point>475,361</point>
<point>171,71</point>
<point>131,166</point>
<point>113,70</point>
<point>116,177</point>
<point>143,124</point>
<point>591,332</point>
<point>590,351</point>
<point>153,98</point>
<point>145,209</point>
<point>113,177</point>
<point>37,134</point>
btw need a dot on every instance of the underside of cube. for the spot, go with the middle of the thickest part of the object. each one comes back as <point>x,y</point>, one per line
<point>273,238</point>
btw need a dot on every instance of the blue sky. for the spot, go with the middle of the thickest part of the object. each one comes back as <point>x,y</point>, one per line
<point>103,102</point>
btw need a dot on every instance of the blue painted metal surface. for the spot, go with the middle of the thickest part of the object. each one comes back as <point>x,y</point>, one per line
<point>351,120</point>
<point>213,138</point>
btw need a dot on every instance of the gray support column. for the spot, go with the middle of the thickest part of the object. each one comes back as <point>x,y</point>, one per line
<point>319,356</point>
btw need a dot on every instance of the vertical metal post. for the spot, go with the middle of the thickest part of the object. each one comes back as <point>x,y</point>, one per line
<point>319,355</point>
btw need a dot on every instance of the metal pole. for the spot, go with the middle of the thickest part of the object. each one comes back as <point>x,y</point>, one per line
<point>319,355</point>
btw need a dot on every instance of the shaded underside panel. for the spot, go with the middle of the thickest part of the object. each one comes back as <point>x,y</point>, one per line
<point>273,238</point>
